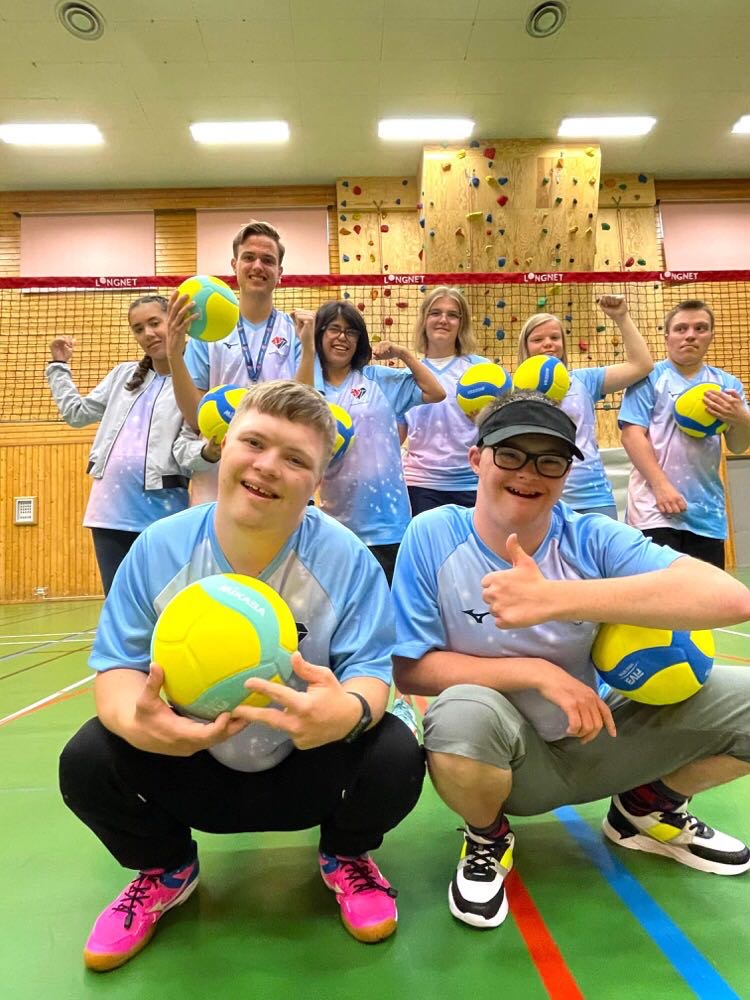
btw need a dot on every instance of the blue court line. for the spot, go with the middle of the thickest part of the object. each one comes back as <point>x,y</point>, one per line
<point>697,971</point>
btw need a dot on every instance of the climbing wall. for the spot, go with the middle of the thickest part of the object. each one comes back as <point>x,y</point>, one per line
<point>627,238</point>
<point>378,225</point>
<point>513,205</point>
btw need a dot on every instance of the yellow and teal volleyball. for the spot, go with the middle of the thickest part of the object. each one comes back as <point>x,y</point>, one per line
<point>344,431</point>
<point>215,304</point>
<point>652,665</point>
<point>543,374</point>
<point>479,385</point>
<point>691,414</point>
<point>216,634</point>
<point>217,409</point>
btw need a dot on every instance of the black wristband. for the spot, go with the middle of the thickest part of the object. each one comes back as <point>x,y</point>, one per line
<point>364,722</point>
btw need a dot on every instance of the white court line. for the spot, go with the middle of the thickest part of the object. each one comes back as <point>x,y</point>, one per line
<point>33,642</point>
<point>46,635</point>
<point>50,697</point>
<point>729,631</point>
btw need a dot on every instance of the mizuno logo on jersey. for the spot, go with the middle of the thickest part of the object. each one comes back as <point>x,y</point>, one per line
<point>478,616</point>
<point>302,631</point>
<point>359,393</point>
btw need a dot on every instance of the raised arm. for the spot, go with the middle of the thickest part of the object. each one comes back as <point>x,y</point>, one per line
<point>432,390</point>
<point>638,361</point>
<point>75,409</point>
<point>186,392</point>
<point>304,325</point>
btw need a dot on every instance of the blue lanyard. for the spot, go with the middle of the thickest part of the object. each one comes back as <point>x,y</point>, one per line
<point>253,371</point>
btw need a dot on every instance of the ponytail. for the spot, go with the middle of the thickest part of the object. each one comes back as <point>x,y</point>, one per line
<point>145,365</point>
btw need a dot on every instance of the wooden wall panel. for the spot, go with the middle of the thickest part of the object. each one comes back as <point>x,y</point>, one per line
<point>10,244</point>
<point>378,226</point>
<point>47,461</point>
<point>175,242</point>
<point>514,205</point>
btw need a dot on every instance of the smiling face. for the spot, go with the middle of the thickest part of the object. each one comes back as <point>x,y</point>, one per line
<point>517,499</point>
<point>269,469</point>
<point>148,321</point>
<point>441,325</point>
<point>547,338</point>
<point>689,337</point>
<point>338,344</point>
<point>257,266</point>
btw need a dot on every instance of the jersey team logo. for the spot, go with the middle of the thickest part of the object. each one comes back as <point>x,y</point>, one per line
<point>478,616</point>
<point>279,342</point>
<point>359,393</point>
<point>302,631</point>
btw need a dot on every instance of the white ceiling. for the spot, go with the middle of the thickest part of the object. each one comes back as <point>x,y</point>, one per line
<point>332,68</point>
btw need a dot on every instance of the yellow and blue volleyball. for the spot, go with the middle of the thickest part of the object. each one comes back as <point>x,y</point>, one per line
<point>216,308</point>
<point>479,385</point>
<point>544,374</point>
<point>691,414</point>
<point>344,431</point>
<point>652,665</point>
<point>217,633</point>
<point>217,408</point>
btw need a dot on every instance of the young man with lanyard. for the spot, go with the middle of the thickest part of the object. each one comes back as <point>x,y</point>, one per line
<point>496,612</point>
<point>264,346</point>
<point>675,494</point>
<point>324,753</point>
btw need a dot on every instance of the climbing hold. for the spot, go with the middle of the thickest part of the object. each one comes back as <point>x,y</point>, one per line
<point>629,262</point>
<point>499,334</point>
<point>432,232</point>
<point>642,262</point>
<point>529,261</point>
<point>345,184</point>
<point>474,182</point>
<point>568,318</point>
<point>622,187</point>
<point>488,217</point>
<point>609,182</point>
<point>502,232</point>
<point>387,293</point>
<point>500,303</point>
<point>589,231</point>
<point>558,200</point>
<point>642,178</point>
<point>343,204</point>
<point>374,293</point>
<point>445,166</point>
<point>356,189</point>
<point>514,319</point>
<point>372,258</point>
<point>460,233</point>
<point>402,305</point>
<point>421,222</point>
<point>615,341</point>
<point>384,229</point>
<point>474,144</point>
<point>360,306</point>
<point>502,180</point>
<point>573,229</point>
<point>357,229</point>
<point>560,163</point>
<point>592,181</point>
<point>601,328</point>
<point>501,261</point>
<point>461,154</point>
<point>405,181</point>
<point>492,181</point>
<point>486,321</point>
<point>545,180</point>
<point>502,200</point>
<point>388,321</point>
<point>590,151</point>
<point>489,152</point>
<point>398,201</point>
<point>345,232</point>
<point>606,226</point>
<point>342,218</point>
<point>575,180</point>
<point>545,231</point>
<point>575,201</point>
<point>583,345</point>
<point>474,216</point>
<point>359,256</point>
<point>488,232</point>
<point>356,216</point>
<point>541,302</point>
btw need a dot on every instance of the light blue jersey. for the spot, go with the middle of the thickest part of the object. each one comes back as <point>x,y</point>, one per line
<point>691,464</point>
<point>119,500</point>
<point>587,484</point>
<point>441,434</point>
<point>223,363</point>
<point>365,490</point>
<point>437,593</point>
<point>336,591</point>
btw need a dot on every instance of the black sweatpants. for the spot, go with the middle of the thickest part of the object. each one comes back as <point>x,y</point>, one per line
<point>142,806</point>
<point>111,546</point>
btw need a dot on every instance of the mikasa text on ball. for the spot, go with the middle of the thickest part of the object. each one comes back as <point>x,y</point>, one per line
<point>216,308</point>
<point>217,633</point>
<point>653,665</point>
<point>479,385</point>
<point>544,374</point>
<point>691,414</point>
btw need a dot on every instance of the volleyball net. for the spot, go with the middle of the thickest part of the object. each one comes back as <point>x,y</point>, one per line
<point>33,311</point>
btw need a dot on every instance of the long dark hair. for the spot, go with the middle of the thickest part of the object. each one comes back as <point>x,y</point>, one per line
<point>352,317</point>
<point>145,365</point>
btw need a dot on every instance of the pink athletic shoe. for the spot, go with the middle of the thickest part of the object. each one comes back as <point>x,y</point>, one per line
<point>128,924</point>
<point>367,901</point>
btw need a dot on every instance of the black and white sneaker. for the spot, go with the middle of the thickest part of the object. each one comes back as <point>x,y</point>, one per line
<point>476,893</point>
<point>679,835</point>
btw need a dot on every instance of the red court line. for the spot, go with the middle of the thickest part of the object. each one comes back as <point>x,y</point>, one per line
<point>45,704</point>
<point>557,978</point>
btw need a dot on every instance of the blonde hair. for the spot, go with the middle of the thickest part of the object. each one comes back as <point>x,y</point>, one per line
<point>465,339</point>
<point>530,325</point>
<point>295,402</point>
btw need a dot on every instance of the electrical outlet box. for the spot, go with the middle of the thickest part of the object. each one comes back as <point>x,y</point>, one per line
<point>24,510</point>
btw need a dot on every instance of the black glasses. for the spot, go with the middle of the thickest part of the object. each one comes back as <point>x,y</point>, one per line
<point>339,331</point>
<point>549,465</point>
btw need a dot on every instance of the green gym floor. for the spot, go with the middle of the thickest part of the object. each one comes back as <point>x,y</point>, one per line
<point>587,920</point>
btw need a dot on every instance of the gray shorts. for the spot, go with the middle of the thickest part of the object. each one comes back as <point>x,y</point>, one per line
<point>477,722</point>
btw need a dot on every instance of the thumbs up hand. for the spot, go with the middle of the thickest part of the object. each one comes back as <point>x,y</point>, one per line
<point>519,596</point>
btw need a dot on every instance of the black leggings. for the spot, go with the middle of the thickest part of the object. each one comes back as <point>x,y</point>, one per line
<point>142,806</point>
<point>710,550</point>
<point>111,546</point>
